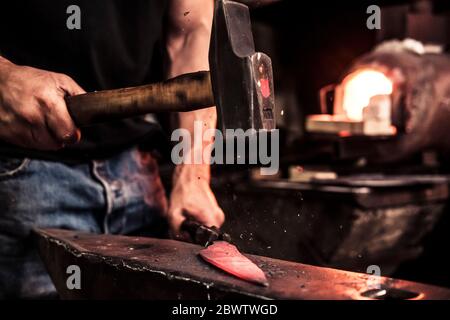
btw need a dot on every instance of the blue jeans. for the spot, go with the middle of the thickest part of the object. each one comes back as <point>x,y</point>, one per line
<point>121,195</point>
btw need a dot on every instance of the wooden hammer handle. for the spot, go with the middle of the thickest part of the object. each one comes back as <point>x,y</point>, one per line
<point>187,92</point>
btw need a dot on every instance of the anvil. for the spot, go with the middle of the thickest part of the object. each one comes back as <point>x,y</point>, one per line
<point>122,267</point>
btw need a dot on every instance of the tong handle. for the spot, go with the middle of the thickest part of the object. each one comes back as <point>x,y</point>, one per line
<point>190,226</point>
<point>201,234</point>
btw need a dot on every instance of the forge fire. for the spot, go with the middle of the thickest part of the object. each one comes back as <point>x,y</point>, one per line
<point>224,149</point>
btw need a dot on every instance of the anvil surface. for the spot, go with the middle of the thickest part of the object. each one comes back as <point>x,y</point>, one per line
<point>122,267</point>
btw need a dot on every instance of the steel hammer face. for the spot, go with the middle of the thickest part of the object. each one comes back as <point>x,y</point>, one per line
<point>242,79</point>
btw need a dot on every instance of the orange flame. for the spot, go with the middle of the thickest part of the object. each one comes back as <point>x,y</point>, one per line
<point>359,87</point>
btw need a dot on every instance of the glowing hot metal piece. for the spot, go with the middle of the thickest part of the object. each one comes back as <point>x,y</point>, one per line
<point>226,257</point>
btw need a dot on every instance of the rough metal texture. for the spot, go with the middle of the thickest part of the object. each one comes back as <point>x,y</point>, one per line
<point>146,268</point>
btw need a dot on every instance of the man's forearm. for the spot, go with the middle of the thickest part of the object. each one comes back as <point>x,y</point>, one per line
<point>187,49</point>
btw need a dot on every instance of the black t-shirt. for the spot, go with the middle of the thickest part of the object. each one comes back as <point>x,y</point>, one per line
<point>118,45</point>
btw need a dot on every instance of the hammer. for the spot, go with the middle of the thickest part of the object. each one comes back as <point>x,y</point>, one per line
<point>239,84</point>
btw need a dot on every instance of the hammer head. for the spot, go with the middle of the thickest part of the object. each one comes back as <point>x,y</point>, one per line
<point>242,79</point>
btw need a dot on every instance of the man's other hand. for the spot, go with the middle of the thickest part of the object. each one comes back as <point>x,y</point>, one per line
<point>191,195</point>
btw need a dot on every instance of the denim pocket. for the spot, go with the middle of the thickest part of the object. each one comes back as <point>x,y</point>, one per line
<point>10,167</point>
